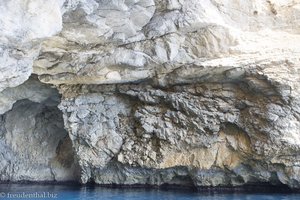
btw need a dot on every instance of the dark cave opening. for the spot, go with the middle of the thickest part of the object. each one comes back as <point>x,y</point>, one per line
<point>35,145</point>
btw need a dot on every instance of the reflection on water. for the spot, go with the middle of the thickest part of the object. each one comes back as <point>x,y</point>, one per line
<point>34,191</point>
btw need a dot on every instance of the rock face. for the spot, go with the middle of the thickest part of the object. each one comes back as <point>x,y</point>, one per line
<point>34,143</point>
<point>197,93</point>
<point>22,25</point>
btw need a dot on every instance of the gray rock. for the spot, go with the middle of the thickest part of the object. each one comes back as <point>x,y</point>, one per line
<point>197,93</point>
<point>197,126</point>
<point>34,144</point>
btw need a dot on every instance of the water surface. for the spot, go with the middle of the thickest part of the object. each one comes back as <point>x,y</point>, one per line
<point>65,192</point>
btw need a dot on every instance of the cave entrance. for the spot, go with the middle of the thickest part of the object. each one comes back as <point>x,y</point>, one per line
<point>34,144</point>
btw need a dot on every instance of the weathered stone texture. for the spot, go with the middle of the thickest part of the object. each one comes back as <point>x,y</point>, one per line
<point>188,92</point>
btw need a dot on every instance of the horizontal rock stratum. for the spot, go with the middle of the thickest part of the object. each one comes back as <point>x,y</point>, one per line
<point>184,92</point>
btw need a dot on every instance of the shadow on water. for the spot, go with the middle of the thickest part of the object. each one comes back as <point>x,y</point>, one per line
<point>93,192</point>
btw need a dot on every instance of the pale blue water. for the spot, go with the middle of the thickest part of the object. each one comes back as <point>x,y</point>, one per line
<point>63,192</point>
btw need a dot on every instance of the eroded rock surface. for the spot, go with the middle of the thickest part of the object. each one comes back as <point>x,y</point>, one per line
<point>34,144</point>
<point>243,129</point>
<point>199,93</point>
<point>22,26</point>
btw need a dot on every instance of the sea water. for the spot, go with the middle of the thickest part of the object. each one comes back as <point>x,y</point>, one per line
<point>65,192</point>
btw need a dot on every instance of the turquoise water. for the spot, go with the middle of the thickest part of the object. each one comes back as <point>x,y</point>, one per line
<point>64,192</point>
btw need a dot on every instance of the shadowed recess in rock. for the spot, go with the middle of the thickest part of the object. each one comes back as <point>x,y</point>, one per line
<point>34,144</point>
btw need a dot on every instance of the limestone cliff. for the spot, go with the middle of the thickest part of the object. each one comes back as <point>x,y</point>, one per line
<point>186,92</point>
